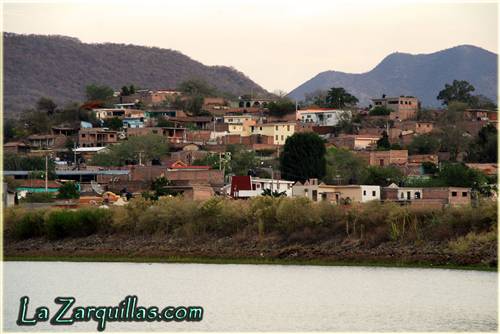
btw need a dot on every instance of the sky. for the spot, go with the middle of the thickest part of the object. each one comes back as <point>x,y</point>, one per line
<point>278,44</point>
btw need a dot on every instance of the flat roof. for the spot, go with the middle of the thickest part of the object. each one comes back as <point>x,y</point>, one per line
<point>71,172</point>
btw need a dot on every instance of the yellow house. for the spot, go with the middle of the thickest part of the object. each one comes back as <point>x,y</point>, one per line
<point>278,131</point>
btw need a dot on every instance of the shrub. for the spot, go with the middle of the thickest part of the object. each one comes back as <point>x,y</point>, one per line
<point>29,225</point>
<point>39,198</point>
<point>463,245</point>
<point>294,214</point>
<point>64,223</point>
<point>69,190</point>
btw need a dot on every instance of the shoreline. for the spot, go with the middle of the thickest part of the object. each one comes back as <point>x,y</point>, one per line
<point>244,261</point>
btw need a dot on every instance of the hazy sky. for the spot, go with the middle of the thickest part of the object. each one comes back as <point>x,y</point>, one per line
<point>278,44</point>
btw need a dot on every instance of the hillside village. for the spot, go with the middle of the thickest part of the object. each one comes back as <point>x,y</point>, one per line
<point>196,142</point>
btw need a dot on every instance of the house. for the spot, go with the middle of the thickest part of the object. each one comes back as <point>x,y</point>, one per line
<point>46,142</point>
<point>200,122</point>
<point>161,113</point>
<point>338,194</point>
<point>106,113</point>
<point>385,158</point>
<point>87,153</point>
<point>97,137</point>
<point>17,147</point>
<point>321,117</point>
<point>173,134</point>
<point>133,123</point>
<point>67,131</point>
<point>180,171</point>
<point>240,119</point>
<point>278,131</point>
<point>248,186</point>
<point>38,186</point>
<point>418,127</point>
<point>481,115</point>
<point>403,107</point>
<point>355,142</point>
<point>486,168</point>
<point>435,197</point>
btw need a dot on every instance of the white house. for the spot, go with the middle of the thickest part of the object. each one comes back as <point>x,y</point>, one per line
<point>321,117</point>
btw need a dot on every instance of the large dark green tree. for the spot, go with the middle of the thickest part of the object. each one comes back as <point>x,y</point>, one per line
<point>303,157</point>
<point>485,147</point>
<point>343,166</point>
<point>424,144</point>
<point>47,105</point>
<point>383,144</point>
<point>98,93</point>
<point>382,176</point>
<point>459,90</point>
<point>113,123</point>
<point>338,97</point>
<point>281,107</point>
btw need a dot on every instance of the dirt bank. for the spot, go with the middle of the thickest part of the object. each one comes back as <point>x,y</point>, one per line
<point>155,248</point>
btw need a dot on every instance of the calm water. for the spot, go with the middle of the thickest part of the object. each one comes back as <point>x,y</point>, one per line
<point>264,297</point>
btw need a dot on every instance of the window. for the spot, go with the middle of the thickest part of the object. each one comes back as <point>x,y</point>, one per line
<point>364,192</point>
<point>329,116</point>
<point>464,194</point>
<point>155,132</point>
<point>402,195</point>
<point>417,194</point>
<point>83,135</point>
<point>454,194</point>
<point>276,137</point>
<point>276,128</point>
<point>374,193</point>
<point>288,128</point>
<point>260,128</point>
<point>381,162</point>
<point>282,137</point>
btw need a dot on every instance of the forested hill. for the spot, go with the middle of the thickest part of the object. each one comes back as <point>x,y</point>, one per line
<point>60,67</point>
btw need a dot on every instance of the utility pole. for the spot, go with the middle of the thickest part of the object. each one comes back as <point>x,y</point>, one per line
<point>74,152</point>
<point>46,173</point>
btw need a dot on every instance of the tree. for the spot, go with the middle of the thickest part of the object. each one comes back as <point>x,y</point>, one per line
<point>338,98</point>
<point>343,166</point>
<point>13,161</point>
<point>98,93</point>
<point>454,140</point>
<point>303,157</point>
<point>459,90</point>
<point>483,102</point>
<point>281,107</point>
<point>380,111</point>
<point>125,91</point>
<point>382,176</point>
<point>113,123</point>
<point>485,147</point>
<point>69,190</point>
<point>146,148</point>
<point>242,160</point>
<point>274,193</point>
<point>383,144</point>
<point>46,105</point>
<point>195,87</point>
<point>459,175</point>
<point>424,144</point>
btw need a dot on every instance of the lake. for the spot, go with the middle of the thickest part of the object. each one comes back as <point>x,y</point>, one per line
<point>262,297</point>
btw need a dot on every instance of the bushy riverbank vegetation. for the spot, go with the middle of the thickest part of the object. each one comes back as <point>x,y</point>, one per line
<point>290,220</point>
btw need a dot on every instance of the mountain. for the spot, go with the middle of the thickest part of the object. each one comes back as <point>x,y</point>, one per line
<point>60,67</point>
<point>422,75</point>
